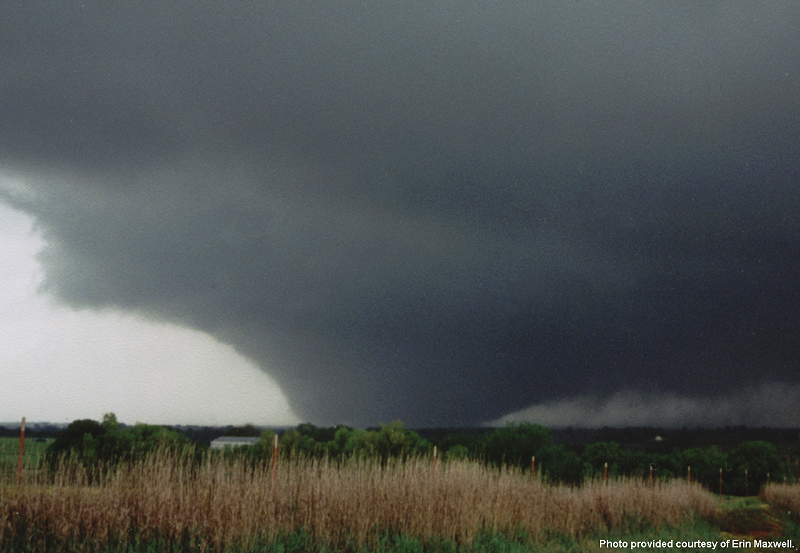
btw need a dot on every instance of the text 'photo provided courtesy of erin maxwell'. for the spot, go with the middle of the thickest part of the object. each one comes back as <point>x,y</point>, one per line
<point>697,544</point>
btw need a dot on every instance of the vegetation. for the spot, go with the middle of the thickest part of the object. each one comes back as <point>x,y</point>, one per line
<point>514,445</point>
<point>109,442</point>
<point>105,487</point>
<point>783,497</point>
<point>224,503</point>
<point>34,451</point>
<point>92,444</point>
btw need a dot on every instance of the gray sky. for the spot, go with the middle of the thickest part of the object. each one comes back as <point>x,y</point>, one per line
<point>444,212</point>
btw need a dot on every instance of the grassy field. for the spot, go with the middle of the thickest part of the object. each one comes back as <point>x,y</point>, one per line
<point>167,504</point>
<point>33,452</point>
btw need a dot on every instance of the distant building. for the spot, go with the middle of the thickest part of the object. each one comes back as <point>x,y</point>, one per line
<point>232,441</point>
<point>659,439</point>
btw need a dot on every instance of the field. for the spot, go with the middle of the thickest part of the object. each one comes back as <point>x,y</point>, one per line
<point>240,502</point>
<point>171,504</point>
<point>9,455</point>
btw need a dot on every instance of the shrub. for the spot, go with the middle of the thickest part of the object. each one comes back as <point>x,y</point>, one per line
<point>514,445</point>
<point>92,444</point>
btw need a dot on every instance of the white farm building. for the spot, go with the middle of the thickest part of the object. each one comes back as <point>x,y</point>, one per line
<point>232,441</point>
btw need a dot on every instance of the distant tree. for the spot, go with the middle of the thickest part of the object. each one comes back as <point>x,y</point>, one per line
<point>93,443</point>
<point>514,445</point>
<point>310,440</point>
<point>290,440</point>
<point>8,432</point>
<point>360,443</point>
<point>563,465</point>
<point>267,440</point>
<point>474,444</point>
<point>337,446</point>
<point>457,452</point>
<point>81,439</point>
<point>110,422</point>
<point>394,441</point>
<point>319,435</point>
<point>246,431</point>
<point>758,458</point>
<point>138,441</point>
<point>705,464</point>
<point>637,463</point>
<point>596,455</point>
<point>298,442</point>
<point>793,462</point>
<point>339,442</point>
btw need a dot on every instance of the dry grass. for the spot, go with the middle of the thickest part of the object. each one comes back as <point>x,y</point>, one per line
<point>225,503</point>
<point>783,496</point>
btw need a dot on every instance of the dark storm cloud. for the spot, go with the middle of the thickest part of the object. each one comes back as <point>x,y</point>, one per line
<point>435,211</point>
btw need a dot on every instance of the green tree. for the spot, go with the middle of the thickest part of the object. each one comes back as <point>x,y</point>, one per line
<point>637,463</point>
<point>93,443</point>
<point>758,458</point>
<point>705,464</point>
<point>596,455</point>
<point>514,445</point>
<point>457,452</point>
<point>394,441</point>
<point>135,443</point>
<point>475,444</point>
<point>79,439</point>
<point>307,439</point>
<point>360,443</point>
<point>338,446</point>
<point>290,441</point>
<point>564,466</point>
<point>267,440</point>
<point>110,423</point>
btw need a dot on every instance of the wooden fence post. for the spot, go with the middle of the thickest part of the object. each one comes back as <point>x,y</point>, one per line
<point>435,456</point>
<point>605,473</point>
<point>720,482</point>
<point>533,467</point>
<point>689,474</point>
<point>275,461</point>
<point>746,494</point>
<point>21,448</point>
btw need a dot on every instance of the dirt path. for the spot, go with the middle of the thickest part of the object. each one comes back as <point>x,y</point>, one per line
<point>750,520</point>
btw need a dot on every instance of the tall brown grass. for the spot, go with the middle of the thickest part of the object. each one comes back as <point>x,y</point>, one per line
<point>783,496</point>
<point>222,503</point>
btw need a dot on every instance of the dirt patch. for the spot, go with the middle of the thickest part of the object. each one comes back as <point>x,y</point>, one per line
<point>751,520</point>
<point>758,521</point>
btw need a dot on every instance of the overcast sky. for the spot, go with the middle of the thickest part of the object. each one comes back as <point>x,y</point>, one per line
<point>449,213</point>
<point>60,364</point>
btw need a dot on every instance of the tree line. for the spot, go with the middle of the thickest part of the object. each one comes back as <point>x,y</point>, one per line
<point>109,442</point>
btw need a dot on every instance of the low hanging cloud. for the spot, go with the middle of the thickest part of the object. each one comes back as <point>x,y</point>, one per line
<point>431,211</point>
<point>767,404</point>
